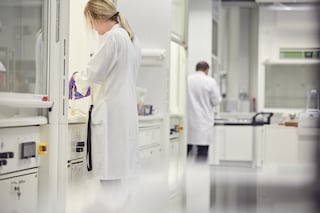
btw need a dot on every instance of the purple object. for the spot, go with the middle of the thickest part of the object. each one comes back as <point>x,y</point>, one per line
<point>73,89</point>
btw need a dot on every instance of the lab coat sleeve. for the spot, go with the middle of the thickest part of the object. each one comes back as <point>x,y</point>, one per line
<point>102,63</point>
<point>215,96</point>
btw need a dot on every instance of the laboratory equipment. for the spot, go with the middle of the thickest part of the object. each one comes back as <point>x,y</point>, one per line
<point>19,168</point>
<point>141,92</point>
<point>23,81</point>
<point>23,49</point>
<point>148,110</point>
<point>310,118</point>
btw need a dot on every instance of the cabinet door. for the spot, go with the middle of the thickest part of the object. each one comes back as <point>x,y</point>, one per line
<point>238,143</point>
<point>19,194</point>
<point>149,136</point>
<point>281,145</point>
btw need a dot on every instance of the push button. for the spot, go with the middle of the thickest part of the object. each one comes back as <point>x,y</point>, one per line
<point>79,149</point>
<point>3,162</point>
<point>42,149</point>
<point>6,155</point>
<point>81,144</point>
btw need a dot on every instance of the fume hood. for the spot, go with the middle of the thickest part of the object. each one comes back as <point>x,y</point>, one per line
<point>24,59</point>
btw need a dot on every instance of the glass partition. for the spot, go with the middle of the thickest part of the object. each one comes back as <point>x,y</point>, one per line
<point>286,85</point>
<point>178,28</point>
<point>23,46</point>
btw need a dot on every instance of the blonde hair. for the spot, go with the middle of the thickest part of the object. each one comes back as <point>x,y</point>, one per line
<point>105,10</point>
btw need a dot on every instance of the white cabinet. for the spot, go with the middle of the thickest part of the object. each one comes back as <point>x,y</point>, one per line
<point>151,141</point>
<point>149,136</point>
<point>235,143</point>
<point>308,140</point>
<point>19,192</point>
<point>281,145</point>
<point>290,145</point>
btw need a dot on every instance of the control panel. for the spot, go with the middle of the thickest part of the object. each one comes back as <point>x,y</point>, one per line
<point>176,127</point>
<point>18,148</point>
<point>19,164</point>
<point>77,151</point>
<point>77,141</point>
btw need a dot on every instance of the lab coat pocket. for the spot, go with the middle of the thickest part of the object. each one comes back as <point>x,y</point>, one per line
<point>99,113</point>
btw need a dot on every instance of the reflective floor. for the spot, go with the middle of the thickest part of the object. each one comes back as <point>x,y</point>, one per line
<point>219,189</point>
<point>236,189</point>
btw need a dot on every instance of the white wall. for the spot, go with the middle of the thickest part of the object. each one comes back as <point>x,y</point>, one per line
<point>152,26</point>
<point>287,29</point>
<point>233,49</point>
<point>254,53</point>
<point>237,41</point>
<point>295,28</point>
<point>244,49</point>
<point>199,33</point>
<point>82,40</point>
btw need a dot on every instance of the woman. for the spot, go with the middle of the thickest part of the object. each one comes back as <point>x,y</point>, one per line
<point>112,73</point>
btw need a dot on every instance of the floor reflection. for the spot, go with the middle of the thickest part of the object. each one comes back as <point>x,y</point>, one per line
<point>231,189</point>
<point>208,189</point>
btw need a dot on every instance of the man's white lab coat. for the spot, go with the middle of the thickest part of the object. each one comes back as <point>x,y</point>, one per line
<point>112,73</point>
<point>203,95</point>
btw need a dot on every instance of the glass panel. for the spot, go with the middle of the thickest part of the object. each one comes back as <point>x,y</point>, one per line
<point>214,37</point>
<point>287,85</point>
<point>23,46</point>
<point>178,19</point>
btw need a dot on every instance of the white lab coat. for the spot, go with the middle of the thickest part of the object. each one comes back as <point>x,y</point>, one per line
<point>112,73</point>
<point>203,95</point>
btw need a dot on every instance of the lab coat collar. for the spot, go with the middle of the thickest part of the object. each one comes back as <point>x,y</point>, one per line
<point>115,26</point>
<point>200,73</point>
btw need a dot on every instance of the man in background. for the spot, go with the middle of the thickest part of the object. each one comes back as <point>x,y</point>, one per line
<point>203,96</point>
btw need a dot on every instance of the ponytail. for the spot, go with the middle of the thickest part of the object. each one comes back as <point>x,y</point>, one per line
<point>125,25</point>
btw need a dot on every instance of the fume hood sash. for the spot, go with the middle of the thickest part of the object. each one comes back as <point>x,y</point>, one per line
<point>24,101</point>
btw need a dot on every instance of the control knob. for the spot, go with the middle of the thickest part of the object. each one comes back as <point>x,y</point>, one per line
<point>3,162</point>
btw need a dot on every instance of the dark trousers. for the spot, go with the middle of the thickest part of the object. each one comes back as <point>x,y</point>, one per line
<point>201,151</point>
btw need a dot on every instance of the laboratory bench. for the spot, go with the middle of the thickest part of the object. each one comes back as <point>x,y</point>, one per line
<point>238,140</point>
